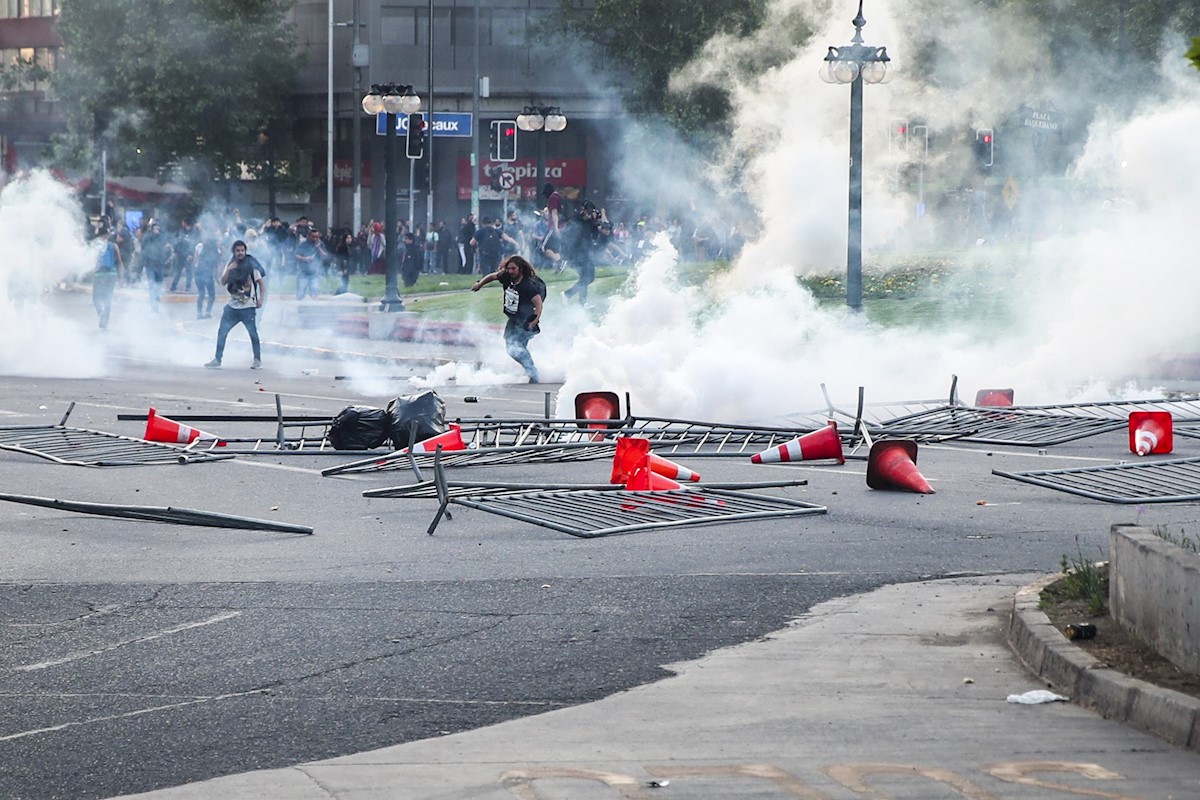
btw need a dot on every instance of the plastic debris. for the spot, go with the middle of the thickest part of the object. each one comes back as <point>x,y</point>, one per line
<point>1037,696</point>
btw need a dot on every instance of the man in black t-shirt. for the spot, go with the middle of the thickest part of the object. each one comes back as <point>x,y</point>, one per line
<point>523,293</point>
<point>489,242</point>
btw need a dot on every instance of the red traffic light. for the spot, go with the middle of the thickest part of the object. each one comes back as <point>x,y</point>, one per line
<point>987,138</point>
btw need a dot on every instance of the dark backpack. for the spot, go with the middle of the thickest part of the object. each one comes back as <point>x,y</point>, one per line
<point>539,285</point>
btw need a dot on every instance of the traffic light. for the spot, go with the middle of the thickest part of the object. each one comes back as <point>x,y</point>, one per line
<point>503,140</point>
<point>414,143</point>
<point>898,134</point>
<point>985,144</point>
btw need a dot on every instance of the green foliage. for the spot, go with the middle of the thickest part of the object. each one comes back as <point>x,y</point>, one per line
<point>1183,540</point>
<point>651,39</point>
<point>174,82</point>
<point>1193,53</point>
<point>1084,580</point>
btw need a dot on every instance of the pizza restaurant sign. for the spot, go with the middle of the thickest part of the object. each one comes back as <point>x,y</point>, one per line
<point>562,172</point>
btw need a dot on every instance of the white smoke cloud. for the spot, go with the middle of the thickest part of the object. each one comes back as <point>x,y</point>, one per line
<point>1100,289</point>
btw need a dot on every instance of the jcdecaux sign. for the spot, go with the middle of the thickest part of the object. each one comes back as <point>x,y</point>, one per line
<point>445,123</point>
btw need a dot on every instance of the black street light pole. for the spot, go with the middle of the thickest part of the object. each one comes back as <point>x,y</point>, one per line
<point>541,119</point>
<point>855,64</point>
<point>391,100</point>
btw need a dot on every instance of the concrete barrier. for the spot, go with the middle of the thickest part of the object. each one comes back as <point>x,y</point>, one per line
<point>1154,593</point>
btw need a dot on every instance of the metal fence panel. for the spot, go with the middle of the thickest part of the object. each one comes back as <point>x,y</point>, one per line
<point>1172,481</point>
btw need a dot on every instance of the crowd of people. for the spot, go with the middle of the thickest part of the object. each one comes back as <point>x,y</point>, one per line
<point>188,255</point>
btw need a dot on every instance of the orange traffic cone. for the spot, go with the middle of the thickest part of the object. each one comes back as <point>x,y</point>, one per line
<point>450,440</point>
<point>1150,432</point>
<point>165,429</point>
<point>893,465</point>
<point>597,405</point>
<point>631,453</point>
<point>645,479</point>
<point>824,443</point>
<point>994,397</point>
<point>669,469</point>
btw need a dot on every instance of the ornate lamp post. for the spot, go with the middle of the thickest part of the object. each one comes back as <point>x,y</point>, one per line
<point>392,100</point>
<point>541,119</point>
<point>855,64</point>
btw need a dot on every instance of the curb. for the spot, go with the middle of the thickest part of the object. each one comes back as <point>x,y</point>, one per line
<point>1165,713</point>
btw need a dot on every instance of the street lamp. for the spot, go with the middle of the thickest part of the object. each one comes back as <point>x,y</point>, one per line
<point>392,100</point>
<point>541,118</point>
<point>855,64</point>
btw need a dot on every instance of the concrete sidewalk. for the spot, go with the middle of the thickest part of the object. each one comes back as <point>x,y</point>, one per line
<point>883,695</point>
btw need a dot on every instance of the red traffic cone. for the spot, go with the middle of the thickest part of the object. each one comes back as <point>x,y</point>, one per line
<point>669,469</point>
<point>645,479</point>
<point>631,453</point>
<point>597,405</point>
<point>824,443</point>
<point>165,429</point>
<point>450,440</point>
<point>1150,433</point>
<point>1001,398</point>
<point>893,465</point>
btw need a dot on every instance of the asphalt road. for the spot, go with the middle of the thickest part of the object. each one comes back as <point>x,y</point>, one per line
<point>138,655</point>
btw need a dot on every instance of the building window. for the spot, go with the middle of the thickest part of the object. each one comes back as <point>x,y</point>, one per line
<point>15,9</point>
<point>398,27</point>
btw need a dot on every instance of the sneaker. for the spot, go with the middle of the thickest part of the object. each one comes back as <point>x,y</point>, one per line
<point>256,364</point>
<point>214,364</point>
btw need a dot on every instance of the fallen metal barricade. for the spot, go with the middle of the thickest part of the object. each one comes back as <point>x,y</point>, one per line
<point>597,512</point>
<point>1004,426</point>
<point>178,516</point>
<point>545,441</point>
<point>1173,481</point>
<point>87,448</point>
<point>428,488</point>
<point>278,444</point>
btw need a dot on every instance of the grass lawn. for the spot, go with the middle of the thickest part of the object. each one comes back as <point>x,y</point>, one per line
<point>916,291</point>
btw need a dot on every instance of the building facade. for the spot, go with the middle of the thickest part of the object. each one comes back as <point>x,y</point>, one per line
<point>471,62</point>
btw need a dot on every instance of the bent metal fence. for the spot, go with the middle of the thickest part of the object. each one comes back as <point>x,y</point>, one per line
<point>88,448</point>
<point>591,513</point>
<point>1171,481</point>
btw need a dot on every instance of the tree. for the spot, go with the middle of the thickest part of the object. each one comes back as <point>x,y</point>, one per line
<point>1193,53</point>
<point>651,39</point>
<point>183,83</point>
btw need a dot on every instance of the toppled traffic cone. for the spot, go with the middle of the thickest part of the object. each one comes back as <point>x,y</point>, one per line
<point>645,479</point>
<point>1151,433</point>
<point>892,464</point>
<point>669,469</point>
<point>450,440</point>
<point>823,443</point>
<point>165,429</point>
<point>598,406</point>
<point>631,454</point>
<point>1001,398</point>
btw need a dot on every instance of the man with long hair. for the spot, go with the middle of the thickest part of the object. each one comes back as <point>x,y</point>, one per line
<point>523,295</point>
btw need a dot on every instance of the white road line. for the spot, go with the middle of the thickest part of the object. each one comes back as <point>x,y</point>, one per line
<point>153,709</point>
<point>148,638</point>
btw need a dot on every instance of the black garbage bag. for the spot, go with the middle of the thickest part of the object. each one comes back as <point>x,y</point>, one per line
<point>427,411</point>
<point>359,428</point>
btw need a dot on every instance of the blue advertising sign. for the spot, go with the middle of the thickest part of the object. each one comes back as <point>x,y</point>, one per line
<point>445,123</point>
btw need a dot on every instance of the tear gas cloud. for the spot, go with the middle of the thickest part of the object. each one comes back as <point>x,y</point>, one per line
<point>1094,285</point>
<point>48,327</point>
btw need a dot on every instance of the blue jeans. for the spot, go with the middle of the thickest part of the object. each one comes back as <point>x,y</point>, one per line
<point>516,344</point>
<point>205,289</point>
<point>306,283</point>
<point>103,284</point>
<point>230,317</point>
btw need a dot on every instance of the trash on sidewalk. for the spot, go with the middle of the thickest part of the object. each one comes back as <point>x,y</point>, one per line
<point>1036,697</point>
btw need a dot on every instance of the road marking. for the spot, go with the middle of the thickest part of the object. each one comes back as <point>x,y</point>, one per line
<point>148,638</point>
<point>128,714</point>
